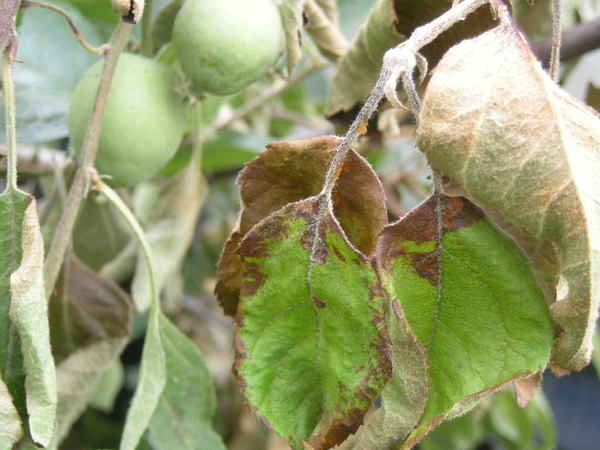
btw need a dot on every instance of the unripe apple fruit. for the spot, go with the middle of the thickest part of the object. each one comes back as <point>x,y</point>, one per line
<point>226,45</point>
<point>143,122</point>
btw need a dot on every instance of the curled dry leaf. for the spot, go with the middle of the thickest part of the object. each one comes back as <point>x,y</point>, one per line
<point>291,171</point>
<point>525,388</point>
<point>495,124</point>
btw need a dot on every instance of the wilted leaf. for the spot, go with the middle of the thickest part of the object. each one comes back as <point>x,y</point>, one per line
<point>293,21</point>
<point>388,24</point>
<point>29,313</point>
<point>291,171</point>
<point>183,417</point>
<point>77,377</point>
<point>108,388</point>
<point>470,298</point>
<point>525,388</point>
<point>496,125</point>
<point>86,308</point>
<point>324,28</point>
<point>357,71</point>
<point>12,209</point>
<point>311,348</point>
<point>170,230</point>
<point>10,422</point>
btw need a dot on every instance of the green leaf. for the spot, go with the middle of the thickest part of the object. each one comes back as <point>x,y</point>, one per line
<point>183,416</point>
<point>470,297</point>
<point>151,382</point>
<point>43,85</point>
<point>291,171</point>
<point>12,209</point>
<point>520,145</point>
<point>170,230</point>
<point>10,422</point>
<point>29,313</point>
<point>310,341</point>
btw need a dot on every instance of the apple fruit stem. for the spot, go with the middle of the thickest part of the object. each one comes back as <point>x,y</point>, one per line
<point>78,190</point>
<point>198,130</point>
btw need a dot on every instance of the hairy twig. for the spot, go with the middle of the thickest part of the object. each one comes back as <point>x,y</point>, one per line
<point>11,133</point>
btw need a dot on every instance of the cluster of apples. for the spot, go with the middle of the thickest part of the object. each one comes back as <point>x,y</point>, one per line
<point>222,47</point>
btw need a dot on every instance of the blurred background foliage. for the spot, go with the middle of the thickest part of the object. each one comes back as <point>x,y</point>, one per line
<point>564,414</point>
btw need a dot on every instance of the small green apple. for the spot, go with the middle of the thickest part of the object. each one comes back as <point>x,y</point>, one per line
<point>143,123</point>
<point>226,45</point>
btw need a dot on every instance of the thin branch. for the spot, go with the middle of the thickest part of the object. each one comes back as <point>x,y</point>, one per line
<point>62,236</point>
<point>575,42</point>
<point>26,4</point>
<point>556,37</point>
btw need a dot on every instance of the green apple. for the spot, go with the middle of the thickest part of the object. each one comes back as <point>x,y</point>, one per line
<point>226,45</point>
<point>143,123</point>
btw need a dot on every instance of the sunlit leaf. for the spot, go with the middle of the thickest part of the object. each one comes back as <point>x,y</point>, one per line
<point>311,348</point>
<point>470,298</point>
<point>495,124</point>
<point>291,171</point>
<point>29,313</point>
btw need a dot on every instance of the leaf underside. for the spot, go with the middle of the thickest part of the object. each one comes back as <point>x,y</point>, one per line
<point>520,145</point>
<point>311,348</point>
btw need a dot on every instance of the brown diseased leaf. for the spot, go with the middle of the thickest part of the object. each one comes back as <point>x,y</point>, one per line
<point>495,124</point>
<point>291,171</point>
<point>86,308</point>
<point>525,388</point>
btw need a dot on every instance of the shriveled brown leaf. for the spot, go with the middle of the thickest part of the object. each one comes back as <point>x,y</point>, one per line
<point>86,308</point>
<point>495,124</point>
<point>525,388</point>
<point>291,171</point>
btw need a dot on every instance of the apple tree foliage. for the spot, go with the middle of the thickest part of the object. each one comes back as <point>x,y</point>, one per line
<point>370,301</point>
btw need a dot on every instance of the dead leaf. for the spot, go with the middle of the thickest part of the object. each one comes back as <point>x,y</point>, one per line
<point>525,388</point>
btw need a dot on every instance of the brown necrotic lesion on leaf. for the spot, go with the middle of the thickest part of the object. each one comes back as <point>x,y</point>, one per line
<point>288,172</point>
<point>521,146</point>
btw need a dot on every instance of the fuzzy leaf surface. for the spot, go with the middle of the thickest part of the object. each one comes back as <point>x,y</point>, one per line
<point>29,313</point>
<point>470,298</point>
<point>288,172</point>
<point>311,347</point>
<point>183,417</point>
<point>525,148</point>
<point>12,210</point>
<point>10,422</point>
